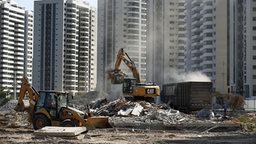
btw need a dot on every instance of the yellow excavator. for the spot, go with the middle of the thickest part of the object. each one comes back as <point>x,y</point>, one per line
<point>132,87</point>
<point>50,108</point>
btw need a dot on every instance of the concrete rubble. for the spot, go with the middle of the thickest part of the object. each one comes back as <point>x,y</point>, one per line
<point>124,114</point>
<point>10,118</point>
<point>145,115</point>
<point>133,122</point>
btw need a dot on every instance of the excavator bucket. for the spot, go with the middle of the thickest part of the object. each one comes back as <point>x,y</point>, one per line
<point>97,122</point>
<point>116,76</point>
<point>117,80</point>
<point>22,106</point>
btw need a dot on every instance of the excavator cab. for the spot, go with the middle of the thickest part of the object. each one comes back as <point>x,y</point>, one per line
<point>128,85</point>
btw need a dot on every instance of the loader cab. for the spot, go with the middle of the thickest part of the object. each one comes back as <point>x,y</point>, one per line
<point>128,85</point>
<point>52,102</point>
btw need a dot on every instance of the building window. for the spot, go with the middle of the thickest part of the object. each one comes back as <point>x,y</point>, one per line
<point>254,47</point>
<point>254,37</point>
<point>254,28</point>
<point>254,67</point>
<point>254,90</point>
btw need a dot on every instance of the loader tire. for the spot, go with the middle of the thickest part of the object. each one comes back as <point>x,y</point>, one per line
<point>40,121</point>
<point>68,123</point>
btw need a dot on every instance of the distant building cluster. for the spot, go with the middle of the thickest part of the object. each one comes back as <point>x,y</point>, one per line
<point>68,45</point>
<point>16,42</point>
<point>58,45</point>
<point>64,46</point>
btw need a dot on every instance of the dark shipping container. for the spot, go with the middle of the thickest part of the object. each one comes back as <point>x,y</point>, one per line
<point>188,96</point>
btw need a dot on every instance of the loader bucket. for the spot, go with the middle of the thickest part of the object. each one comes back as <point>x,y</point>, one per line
<point>97,122</point>
<point>22,106</point>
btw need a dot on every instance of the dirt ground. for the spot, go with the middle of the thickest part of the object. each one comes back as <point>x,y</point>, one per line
<point>130,135</point>
<point>15,129</point>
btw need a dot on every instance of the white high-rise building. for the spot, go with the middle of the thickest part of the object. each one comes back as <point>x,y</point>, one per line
<point>207,49</point>
<point>64,46</point>
<point>122,24</point>
<point>16,38</point>
<point>167,39</point>
<point>242,47</point>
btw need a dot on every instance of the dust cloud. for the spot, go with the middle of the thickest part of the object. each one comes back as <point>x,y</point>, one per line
<point>195,76</point>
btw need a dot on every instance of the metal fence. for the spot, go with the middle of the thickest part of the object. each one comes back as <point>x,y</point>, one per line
<point>250,104</point>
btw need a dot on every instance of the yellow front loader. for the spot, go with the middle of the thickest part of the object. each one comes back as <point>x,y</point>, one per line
<point>50,108</point>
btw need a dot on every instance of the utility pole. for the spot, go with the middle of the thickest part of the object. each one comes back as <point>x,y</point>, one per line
<point>223,75</point>
<point>15,87</point>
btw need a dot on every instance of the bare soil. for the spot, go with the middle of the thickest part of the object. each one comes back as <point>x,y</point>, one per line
<point>129,135</point>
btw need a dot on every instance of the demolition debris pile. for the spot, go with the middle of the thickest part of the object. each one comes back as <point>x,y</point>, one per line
<point>142,114</point>
<point>127,114</point>
<point>131,115</point>
<point>9,106</point>
<point>10,118</point>
<point>120,112</point>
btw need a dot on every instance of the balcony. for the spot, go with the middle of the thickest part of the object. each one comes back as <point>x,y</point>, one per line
<point>196,9</point>
<point>206,62</point>
<point>208,7</point>
<point>194,51</point>
<point>208,23</point>
<point>196,30</point>
<point>133,5</point>
<point>197,23</point>
<point>206,55</point>
<point>205,47</point>
<point>207,70</point>
<point>196,38</point>
<point>71,9</point>
<point>196,2</point>
<point>196,16</point>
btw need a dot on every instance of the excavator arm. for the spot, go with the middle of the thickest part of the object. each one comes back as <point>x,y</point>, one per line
<point>33,97</point>
<point>116,75</point>
<point>132,67</point>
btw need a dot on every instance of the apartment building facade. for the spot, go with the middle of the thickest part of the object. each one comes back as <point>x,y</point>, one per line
<point>242,47</point>
<point>167,39</point>
<point>216,38</point>
<point>64,46</point>
<point>208,34</point>
<point>122,24</point>
<point>16,40</point>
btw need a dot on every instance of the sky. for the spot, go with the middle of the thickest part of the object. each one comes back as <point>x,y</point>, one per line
<point>29,4</point>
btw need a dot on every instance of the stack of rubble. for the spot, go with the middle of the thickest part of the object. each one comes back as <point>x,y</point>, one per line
<point>146,115</point>
<point>121,113</point>
<point>10,118</point>
<point>126,113</point>
<point>9,106</point>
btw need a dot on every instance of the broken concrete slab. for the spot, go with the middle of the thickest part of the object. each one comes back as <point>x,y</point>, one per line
<point>60,131</point>
<point>137,110</point>
<point>125,112</point>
